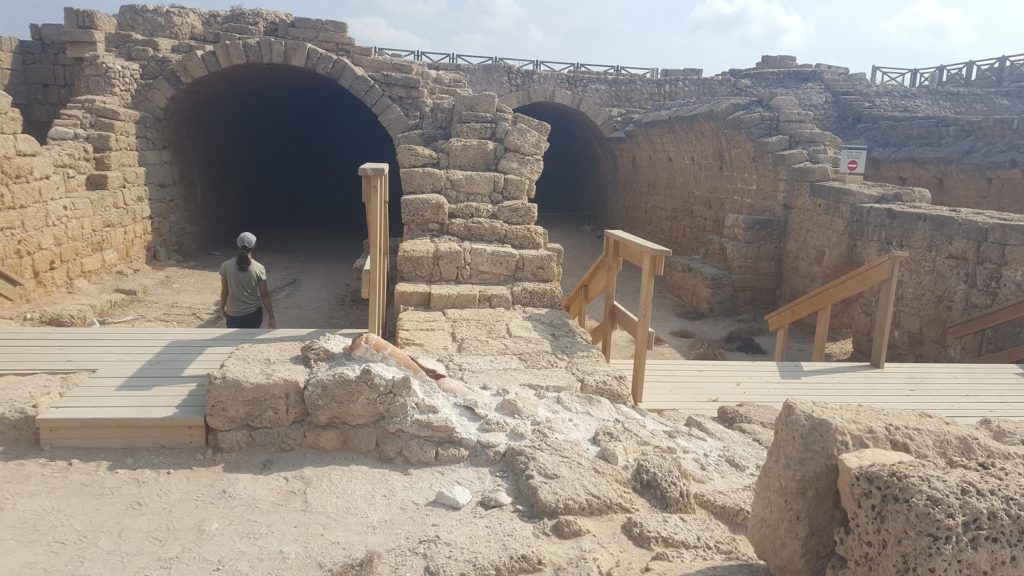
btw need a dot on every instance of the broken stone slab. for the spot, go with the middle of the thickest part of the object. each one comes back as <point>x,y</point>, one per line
<point>796,510</point>
<point>496,499</point>
<point>258,385</point>
<point>850,462</point>
<point>912,517</point>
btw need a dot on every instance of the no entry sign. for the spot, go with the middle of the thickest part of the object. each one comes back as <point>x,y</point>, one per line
<point>853,158</point>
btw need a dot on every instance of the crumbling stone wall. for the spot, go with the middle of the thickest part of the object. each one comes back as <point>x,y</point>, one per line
<point>961,262</point>
<point>708,180</point>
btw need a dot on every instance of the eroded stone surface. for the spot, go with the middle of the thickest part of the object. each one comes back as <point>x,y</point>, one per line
<point>258,385</point>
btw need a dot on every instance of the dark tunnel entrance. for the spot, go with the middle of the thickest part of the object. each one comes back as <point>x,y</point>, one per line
<point>578,165</point>
<point>275,147</point>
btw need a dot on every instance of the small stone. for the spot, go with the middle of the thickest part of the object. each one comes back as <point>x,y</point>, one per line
<point>454,497</point>
<point>495,500</point>
<point>568,528</point>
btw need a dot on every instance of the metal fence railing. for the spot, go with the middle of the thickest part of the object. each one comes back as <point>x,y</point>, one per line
<point>990,71</point>
<point>429,57</point>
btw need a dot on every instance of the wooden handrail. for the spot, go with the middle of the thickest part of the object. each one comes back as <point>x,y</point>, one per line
<point>601,279</point>
<point>9,284</point>
<point>1006,312</point>
<point>882,272</point>
<point>375,270</point>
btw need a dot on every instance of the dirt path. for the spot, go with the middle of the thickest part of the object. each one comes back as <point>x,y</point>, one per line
<point>310,275</point>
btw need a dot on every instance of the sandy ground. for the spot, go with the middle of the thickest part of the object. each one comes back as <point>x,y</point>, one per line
<point>195,512</point>
<point>310,278</point>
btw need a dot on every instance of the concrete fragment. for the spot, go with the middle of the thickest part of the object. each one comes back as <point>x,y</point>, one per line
<point>258,385</point>
<point>454,497</point>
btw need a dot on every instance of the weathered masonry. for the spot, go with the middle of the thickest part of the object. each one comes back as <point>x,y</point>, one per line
<point>158,130</point>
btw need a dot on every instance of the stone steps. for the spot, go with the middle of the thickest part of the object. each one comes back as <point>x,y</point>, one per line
<point>449,259</point>
<point>447,296</point>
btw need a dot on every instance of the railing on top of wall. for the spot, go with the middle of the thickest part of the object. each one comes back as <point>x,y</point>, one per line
<point>990,71</point>
<point>520,63</point>
<point>375,269</point>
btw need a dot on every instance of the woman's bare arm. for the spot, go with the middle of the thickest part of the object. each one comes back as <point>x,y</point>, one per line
<point>224,297</point>
<point>265,297</point>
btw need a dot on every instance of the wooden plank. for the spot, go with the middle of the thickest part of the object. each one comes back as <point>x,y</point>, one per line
<point>993,317</point>
<point>128,352</point>
<point>781,335</point>
<point>163,372</point>
<point>183,391</point>
<point>145,381</point>
<point>158,330</point>
<point>643,326</point>
<point>628,322</point>
<point>7,291</point>
<point>635,241</point>
<point>773,366</point>
<point>594,280</point>
<point>1011,356</point>
<point>849,284</point>
<point>883,317</point>
<point>126,442</point>
<point>612,266</point>
<point>821,334</point>
<point>125,416</point>
<point>91,344</point>
<point>181,400</point>
<point>109,432</point>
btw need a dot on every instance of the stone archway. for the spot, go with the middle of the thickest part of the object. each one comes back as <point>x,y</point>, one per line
<point>602,121</point>
<point>268,133</point>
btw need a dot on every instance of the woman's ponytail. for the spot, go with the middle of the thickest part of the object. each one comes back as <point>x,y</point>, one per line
<point>243,260</point>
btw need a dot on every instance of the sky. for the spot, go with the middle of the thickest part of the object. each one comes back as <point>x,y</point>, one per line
<point>711,34</point>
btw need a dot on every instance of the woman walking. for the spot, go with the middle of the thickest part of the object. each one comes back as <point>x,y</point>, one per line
<point>243,288</point>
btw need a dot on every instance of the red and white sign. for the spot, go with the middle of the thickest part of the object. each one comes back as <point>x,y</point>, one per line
<point>853,158</point>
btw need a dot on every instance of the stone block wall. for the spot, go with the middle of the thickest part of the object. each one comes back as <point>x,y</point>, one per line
<point>961,262</point>
<point>38,75</point>
<point>708,180</point>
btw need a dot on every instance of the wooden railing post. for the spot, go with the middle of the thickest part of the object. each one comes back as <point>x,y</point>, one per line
<point>375,197</point>
<point>821,334</point>
<point>643,325</point>
<point>613,263</point>
<point>883,317</point>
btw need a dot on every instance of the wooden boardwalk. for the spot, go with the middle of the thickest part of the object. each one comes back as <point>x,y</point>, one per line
<point>147,385</point>
<point>964,392</point>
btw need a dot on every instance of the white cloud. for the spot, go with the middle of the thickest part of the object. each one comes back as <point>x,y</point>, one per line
<point>375,31</point>
<point>927,24</point>
<point>761,24</point>
<point>412,7</point>
<point>495,15</point>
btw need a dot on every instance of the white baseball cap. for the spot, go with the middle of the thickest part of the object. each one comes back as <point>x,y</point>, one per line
<point>246,240</point>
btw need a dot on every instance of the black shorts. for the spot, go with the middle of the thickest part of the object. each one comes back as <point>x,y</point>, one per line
<point>251,320</point>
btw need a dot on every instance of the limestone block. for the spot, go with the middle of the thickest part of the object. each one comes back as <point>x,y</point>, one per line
<point>284,438</point>
<point>412,294</point>
<point>796,513</point>
<point>449,261</point>
<point>449,296</point>
<point>525,236</point>
<point>476,183</point>
<point>258,385</point>
<point>416,259</point>
<point>525,167</point>
<point>471,210</point>
<point>416,157</point>
<point>295,55</point>
<point>808,172</point>
<point>525,141</point>
<point>516,212</point>
<point>540,127</point>
<point>515,188</point>
<point>479,131</point>
<point>424,209</point>
<point>485,103</point>
<point>540,266</point>
<point>494,260</point>
<point>472,155</point>
<point>748,228</point>
<point>422,181</point>
<point>932,520</point>
<point>784,103</point>
<point>350,395</point>
<point>537,295</point>
<point>323,438</point>
<point>480,229</point>
<point>494,297</point>
<point>851,462</point>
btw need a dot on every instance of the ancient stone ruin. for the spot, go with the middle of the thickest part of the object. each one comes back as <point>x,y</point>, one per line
<point>118,147</point>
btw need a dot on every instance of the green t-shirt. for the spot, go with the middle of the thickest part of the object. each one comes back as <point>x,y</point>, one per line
<point>243,287</point>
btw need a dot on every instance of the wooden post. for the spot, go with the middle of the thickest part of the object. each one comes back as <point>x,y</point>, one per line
<point>612,263</point>
<point>375,188</point>
<point>821,334</point>
<point>643,325</point>
<point>874,72</point>
<point>780,343</point>
<point>883,317</point>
